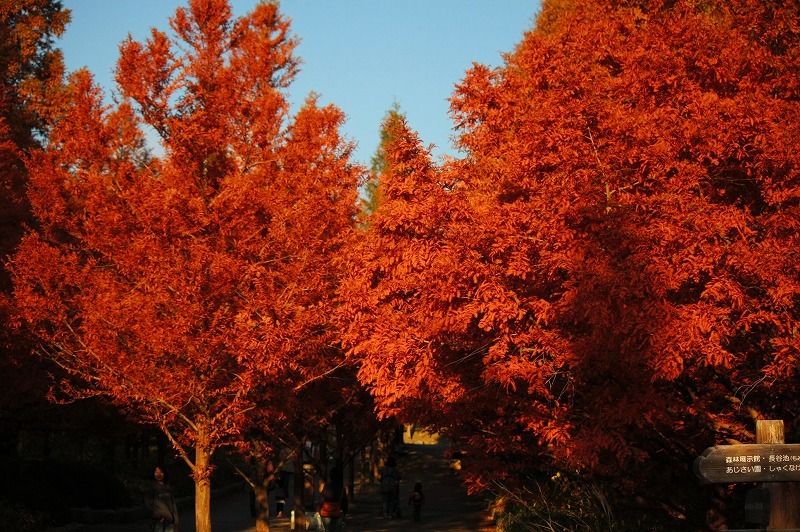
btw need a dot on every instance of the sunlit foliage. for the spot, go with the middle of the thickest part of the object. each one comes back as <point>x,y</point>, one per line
<point>608,282</point>
<point>195,287</point>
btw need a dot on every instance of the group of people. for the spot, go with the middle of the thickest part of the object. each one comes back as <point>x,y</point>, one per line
<point>333,497</point>
<point>332,506</point>
<point>390,493</point>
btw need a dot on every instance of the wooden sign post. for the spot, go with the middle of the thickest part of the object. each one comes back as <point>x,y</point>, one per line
<point>784,496</point>
<point>770,461</point>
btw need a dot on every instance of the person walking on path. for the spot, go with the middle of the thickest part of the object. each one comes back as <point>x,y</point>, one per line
<point>390,488</point>
<point>417,500</point>
<point>164,513</point>
<point>281,493</point>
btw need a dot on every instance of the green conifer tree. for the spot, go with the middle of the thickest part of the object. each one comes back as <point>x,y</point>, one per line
<point>370,199</point>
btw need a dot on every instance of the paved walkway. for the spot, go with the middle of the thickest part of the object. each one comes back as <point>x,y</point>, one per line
<point>448,508</point>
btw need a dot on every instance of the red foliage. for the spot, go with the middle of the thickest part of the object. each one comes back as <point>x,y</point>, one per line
<point>609,281</point>
<point>31,77</point>
<point>195,287</point>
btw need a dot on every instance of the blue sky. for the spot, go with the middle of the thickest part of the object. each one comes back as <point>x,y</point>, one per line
<point>361,55</point>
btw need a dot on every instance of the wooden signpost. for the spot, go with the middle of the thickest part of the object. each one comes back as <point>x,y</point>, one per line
<point>769,461</point>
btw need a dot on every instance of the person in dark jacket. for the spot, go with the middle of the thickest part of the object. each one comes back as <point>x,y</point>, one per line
<point>281,492</point>
<point>164,512</point>
<point>390,489</point>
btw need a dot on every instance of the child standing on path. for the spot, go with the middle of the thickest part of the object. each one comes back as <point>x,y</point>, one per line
<point>417,500</point>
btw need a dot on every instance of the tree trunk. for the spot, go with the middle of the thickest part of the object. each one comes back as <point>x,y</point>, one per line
<point>374,460</point>
<point>262,507</point>
<point>351,476</point>
<point>322,460</point>
<point>299,491</point>
<point>202,481</point>
<point>162,445</point>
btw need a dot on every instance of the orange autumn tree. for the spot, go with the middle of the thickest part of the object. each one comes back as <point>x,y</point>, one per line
<point>31,80</point>
<point>395,258</point>
<point>31,71</point>
<point>193,288</point>
<point>608,282</point>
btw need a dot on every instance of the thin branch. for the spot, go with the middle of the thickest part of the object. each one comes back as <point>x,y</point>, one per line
<point>317,377</point>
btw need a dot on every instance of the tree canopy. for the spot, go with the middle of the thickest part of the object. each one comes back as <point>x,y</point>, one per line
<point>31,79</point>
<point>195,286</point>
<point>607,283</point>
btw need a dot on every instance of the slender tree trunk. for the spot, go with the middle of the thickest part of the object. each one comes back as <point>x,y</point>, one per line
<point>263,474</point>
<point>351,475</point>
<point>202,481</point>
<point>262,506</point>
<point>322,460</point>
<point>375,457</point>
<point>299,491</point>
<point>365,466</point>
<point>162,444</point>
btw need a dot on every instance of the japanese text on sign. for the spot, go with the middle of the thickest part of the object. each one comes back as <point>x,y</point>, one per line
<point>749,463</point>
<point>736,466</point>
<point>783,462</point>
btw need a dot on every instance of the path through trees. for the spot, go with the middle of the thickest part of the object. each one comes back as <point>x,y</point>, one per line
<point>448,507</point>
